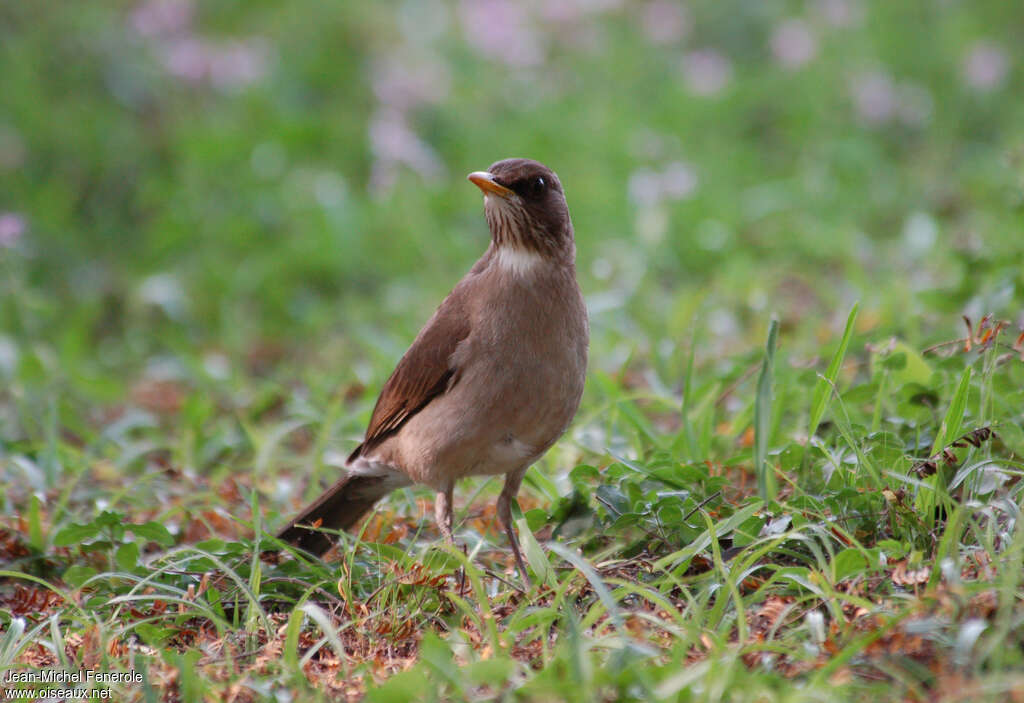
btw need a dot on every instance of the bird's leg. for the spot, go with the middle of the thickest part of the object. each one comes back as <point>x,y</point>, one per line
<point>508,494</point>
<point>443,512</point>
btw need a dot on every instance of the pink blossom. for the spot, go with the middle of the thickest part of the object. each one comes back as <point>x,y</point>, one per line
<point>186,59</point>
<point>644,187</point>
<point>161,18</point>
<point>571,23</point>
<point>237,63</point>
<point>501,30</point>
<point>12,227</point>
<point>405,82</point>
<point>678,180</point>
<point>841,13</point>
<point>569,11</point>
<point>986,66</point>
<point>706,71</point>
<point>394,144</point>
<point>874,97</point>
<point>793,43</point>
<point>226,65</point>
<point>664,22</point>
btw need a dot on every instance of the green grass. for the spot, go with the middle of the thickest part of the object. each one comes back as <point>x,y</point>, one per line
<point>211,284</point>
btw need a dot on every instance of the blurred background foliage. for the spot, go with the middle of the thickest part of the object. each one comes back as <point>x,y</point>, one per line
<point>221,223</point>
<point>281,185</point>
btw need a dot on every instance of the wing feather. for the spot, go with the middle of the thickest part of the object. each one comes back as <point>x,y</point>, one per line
<point>424,372</point>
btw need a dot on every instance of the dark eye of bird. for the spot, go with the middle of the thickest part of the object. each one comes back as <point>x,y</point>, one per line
<point>530,187</point>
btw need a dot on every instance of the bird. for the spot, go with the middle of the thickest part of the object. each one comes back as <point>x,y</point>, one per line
<point>493,378</point>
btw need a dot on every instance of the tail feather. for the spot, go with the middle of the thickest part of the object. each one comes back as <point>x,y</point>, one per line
<point>339,508</point>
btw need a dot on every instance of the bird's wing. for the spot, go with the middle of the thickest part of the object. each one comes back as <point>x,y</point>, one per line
<point>425,372</point>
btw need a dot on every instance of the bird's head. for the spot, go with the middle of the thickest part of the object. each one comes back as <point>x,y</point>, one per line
<point>525,208</point>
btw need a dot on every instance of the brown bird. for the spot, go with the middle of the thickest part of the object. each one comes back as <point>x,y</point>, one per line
<point>492,379</point>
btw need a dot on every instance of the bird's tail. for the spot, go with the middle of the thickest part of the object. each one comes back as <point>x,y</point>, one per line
<point>339,508</point>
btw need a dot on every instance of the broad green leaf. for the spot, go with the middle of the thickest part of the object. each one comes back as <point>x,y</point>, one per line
<point>109,518</point>
<point>405,686</point>
<point>76,534</point>
<point>127,556</point>
<point>153,531</point>
<point>76,575</point>
<point>153,635</point>
<point>536,518</point>
<point>494,672</point>
<point>848,562</point>
<point>905,364</point>
<point>893,549</point>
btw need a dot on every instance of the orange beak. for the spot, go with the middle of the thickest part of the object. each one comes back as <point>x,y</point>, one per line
<point>485,182</point>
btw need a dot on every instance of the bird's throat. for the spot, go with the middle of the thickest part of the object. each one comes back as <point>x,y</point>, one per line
<point>518,260</point>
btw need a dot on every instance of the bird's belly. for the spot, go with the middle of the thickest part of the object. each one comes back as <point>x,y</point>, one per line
<point>507,454</point>
<point>493,421</point>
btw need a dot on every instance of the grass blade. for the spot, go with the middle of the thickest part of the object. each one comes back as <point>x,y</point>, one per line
<point>936,485</point>
<point>763,417</point>
<point>823,389</point>
<point>688,433</point>
<point>596,583</point>
<point>535,556</point>
<point>951,424</point>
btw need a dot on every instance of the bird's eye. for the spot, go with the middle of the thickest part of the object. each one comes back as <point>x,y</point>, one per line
<point>538,185</point>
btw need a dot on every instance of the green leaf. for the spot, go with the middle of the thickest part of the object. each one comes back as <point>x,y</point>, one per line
<point>703,540</point>
<point>494,672</point>
<point>35,524</point>
<point>76,534</point>
<point>951,424</point>
<point>895,362</point>
<point>823,389</point>
<point>893,549</point>
<point>584,475</point>
<point>153,635</point>
<point>127,556</point>
<point>848,562</point>
<point>214,544</point>
<point>536,518</point>
<point>405,686</point>
<point>905,363</point>
<point>109,518</point>
<point>535,556</point>
<point>613,500</point>
<point>934,488</point>
<point>747,532</point>
<point>584,567</point>
<point>763,417</point>
<point>436,654</point>
<point>76,575</point>
<point>688,434</point>
<point>154,532</point>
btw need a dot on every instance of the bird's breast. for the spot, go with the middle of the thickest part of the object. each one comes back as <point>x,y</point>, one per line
<point>531,350</point>
<point>518,381</point>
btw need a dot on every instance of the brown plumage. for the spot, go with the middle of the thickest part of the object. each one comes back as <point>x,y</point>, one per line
<point>493,378</point>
